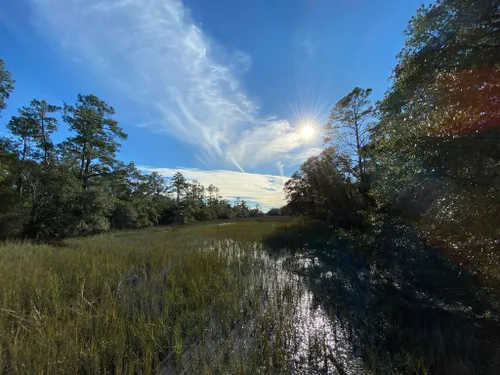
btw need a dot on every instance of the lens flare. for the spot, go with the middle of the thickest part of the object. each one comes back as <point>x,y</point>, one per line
<point>307,131</point>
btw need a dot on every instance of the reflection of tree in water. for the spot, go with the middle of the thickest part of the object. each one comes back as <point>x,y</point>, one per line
<point>407,308</point>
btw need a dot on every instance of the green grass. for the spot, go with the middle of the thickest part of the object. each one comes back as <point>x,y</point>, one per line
<point>221,299</point>
<point>165,299</point>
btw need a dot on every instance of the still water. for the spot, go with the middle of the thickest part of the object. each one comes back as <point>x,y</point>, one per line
<point>280,318</point>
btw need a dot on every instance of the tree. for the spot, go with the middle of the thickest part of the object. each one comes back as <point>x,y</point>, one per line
<point>79,187</point>
<point>437,144</point>
<point>274,212</point>
<point>256,212</point>
<point>140,200</point>
<point>194,201</point>
<point>92,150</point>
<point>213,194</point>
<point>155,184</point>
<point>213,201</point>
<point>241,208</point>
<point>6,85</point>
<point>282,211</point>
<point>178,185</point>
<point>450,35</point>
<point>12,210</point>
<point>34,124</point>
<point>349,125</point>
<point>45,124</point>
<point>226,211</point>
<point>441,114</point>
<point>24,129</point>
<point>322,189</point>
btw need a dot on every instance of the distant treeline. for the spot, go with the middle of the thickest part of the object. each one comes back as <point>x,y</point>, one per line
<point>78,186</point>
<point>429,151</point>
<point>282,211</point>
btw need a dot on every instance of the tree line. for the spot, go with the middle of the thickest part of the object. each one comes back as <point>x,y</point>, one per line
<point>78,186</point>
<point>429,151</point>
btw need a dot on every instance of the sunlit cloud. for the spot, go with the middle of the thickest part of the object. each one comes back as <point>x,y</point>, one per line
<point>181,81</point>
<point>266,190</point>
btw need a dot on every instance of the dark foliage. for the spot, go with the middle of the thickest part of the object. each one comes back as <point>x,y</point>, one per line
<point>417,273</point>
<point>406,306</point>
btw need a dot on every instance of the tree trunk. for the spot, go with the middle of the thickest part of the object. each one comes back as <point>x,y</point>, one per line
<point>82,164</point>
<point>20,181</point>
<point>45,144</point>
<point>85,180</point>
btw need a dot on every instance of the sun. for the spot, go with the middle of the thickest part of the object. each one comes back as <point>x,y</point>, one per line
<point>307,131</point>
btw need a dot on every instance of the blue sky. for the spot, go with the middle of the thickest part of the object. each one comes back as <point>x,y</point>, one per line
<point>218,89</point>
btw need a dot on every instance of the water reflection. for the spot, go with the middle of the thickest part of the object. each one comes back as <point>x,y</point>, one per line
<point>404,307</point>
<point>310,303</point>
<point>318,342</point>
<point>281,326</point>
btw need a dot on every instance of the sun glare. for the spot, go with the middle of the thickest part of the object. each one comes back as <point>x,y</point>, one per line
<point>307,131</point>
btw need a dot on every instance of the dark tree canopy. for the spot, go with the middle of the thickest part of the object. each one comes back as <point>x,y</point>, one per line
<point>430,150</point>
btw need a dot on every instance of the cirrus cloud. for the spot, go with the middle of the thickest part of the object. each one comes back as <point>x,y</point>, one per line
<point>153,53</point>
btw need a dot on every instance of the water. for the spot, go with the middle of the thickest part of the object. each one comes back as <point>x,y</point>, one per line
<point>280,320</point>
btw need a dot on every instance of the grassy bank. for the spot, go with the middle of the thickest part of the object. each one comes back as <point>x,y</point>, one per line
<point>117,303</point>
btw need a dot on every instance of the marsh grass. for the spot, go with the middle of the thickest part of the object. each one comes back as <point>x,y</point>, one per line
<point>195,299</point>
<point>250,297</point>
<point>114,303</point>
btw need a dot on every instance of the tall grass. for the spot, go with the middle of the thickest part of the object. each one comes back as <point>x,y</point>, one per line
<point>162,300</point>
<point>211,299</point>
<point>115,303</point>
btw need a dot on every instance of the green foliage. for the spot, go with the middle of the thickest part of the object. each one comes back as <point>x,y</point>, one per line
<point>179,184</point>
<point>91,151</point>
<point>414,277</point>
<point>12,210</point>
<point>282,211</point>
<point>45,126</point>
<point>241,208</point>
<point>6,85</point>
<point>80,188</point>
<point>323,189</point>
<point>34,127</point>
<point>87,212</point>
<point>274,212</point>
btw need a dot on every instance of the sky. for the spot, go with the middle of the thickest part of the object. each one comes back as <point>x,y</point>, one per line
<point>229,92</point>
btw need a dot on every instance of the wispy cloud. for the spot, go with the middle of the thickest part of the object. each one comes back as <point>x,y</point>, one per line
<point>267,190</point>
<point>185,84</point>
<point>281,167</point>
<point>294,160</point>
<point>306,42</point>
